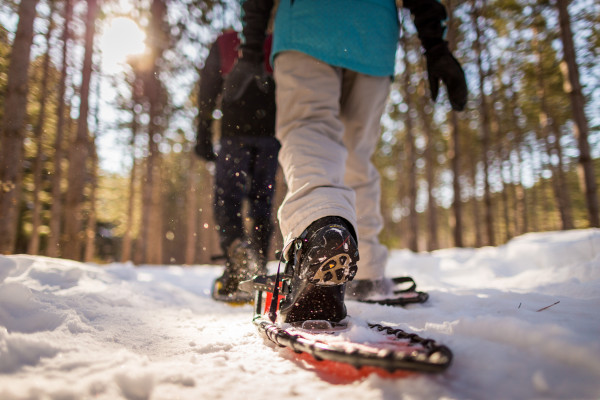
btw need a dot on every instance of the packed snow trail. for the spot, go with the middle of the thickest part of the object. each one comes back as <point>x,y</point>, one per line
<point>73,330</point>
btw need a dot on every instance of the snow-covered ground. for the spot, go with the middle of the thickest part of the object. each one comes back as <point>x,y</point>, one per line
<point>76,331</point>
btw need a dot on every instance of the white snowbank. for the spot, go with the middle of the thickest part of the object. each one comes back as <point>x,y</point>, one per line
<point>74,331</point>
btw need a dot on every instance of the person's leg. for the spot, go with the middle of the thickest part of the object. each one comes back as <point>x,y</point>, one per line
<point>317,215</point>
<point>312,155</point>
<point>362,104</point>
<point>230,186</point>
<point>262,175</point>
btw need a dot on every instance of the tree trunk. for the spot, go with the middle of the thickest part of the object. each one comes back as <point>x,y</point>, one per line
<point>521,217</point>
<point>559,181</point>
<point>156,98</point>
<point>191,205</point>
<point>454,156</point>
<point>90,231</point>
<point>534,195</point>
<point>558,187</point>
<point>547,126</point>
<point>548,188</point>
<point>152,234</point>
<point>34,241</point>
<point>56,207</point>
<point>485,129</point>
<point>145,220</point>
<point>153,231</point>
<point>522,208</point>
<point>454,149</point>
<point>139,244</point>
<point>411,156</point>
<point>127,241</point>
<point>505,213</point>
<point>504,195</point>
<point>502,154</point>
<point>476,212</point>
<point>587,175</point>
<point>402,227</point>
<point>80,147</point>
<point>430,169</point>
<point>209,239</point>
<point>413,218</point>
<point>15,106</point>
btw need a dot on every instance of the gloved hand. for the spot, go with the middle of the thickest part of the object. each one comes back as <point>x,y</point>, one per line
<point>204,147</point>
<point>247,69</point>
<point>441,64</point>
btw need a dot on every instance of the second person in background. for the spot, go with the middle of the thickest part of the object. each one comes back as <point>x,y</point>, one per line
<point>246,161</point>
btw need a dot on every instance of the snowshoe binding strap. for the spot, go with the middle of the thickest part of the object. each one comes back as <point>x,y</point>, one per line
<point>399,280</point>
<point>402,293</point>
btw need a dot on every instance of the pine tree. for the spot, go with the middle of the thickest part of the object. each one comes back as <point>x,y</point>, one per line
<point>56,206</point>
<point>79,151</point>
<point>34,241</point>
<point>12,134</point>
<point>578,108</point>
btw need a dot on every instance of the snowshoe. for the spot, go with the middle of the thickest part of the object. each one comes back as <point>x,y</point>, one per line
<point>390,350</point>
<point>309,298</point>
<point>398,291</point>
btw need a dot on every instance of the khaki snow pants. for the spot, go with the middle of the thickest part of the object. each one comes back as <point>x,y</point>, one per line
<point>328,124</point>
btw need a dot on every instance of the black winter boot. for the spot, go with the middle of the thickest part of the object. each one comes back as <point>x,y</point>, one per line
<point>320,262</point>
<point>242,263</point>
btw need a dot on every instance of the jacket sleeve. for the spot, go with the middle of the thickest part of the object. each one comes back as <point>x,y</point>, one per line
<point>211,84</point>
<point>255,20</point>
<point>430,20</point>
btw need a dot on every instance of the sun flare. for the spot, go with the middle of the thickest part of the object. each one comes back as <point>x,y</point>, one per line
<point>121,38</point>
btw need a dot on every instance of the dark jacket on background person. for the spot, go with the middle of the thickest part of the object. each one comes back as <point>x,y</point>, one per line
<point>251,115</point>
<point>247,161</point>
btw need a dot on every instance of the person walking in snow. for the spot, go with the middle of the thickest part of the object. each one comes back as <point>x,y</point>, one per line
<point>246,162</point>
<point>333,61</point>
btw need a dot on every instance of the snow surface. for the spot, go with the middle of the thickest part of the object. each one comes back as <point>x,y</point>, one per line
<point>76,331</point>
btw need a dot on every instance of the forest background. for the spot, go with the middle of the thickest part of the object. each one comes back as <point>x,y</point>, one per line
<point>97,119</point>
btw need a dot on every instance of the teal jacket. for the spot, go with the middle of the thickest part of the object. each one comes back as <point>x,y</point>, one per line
<point>364,40</point>
<point>360,35</point>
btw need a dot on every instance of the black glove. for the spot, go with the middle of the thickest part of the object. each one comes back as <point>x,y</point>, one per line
<point>246,70</point>
<point>441,64</point>
<point>204,147</point>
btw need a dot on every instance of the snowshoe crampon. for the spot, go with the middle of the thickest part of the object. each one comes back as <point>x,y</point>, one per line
<point>386,348</point>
